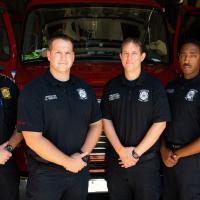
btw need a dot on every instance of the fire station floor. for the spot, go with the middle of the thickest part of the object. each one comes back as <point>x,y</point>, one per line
<point>92,196</point>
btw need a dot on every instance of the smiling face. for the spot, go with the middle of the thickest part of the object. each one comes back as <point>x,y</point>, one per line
<point>190,60</point>
<point>61,57</point>
<point>131,57</point>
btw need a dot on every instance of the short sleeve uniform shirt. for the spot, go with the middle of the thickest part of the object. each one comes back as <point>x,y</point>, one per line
<point>133,106</point>
<point>62,111</point>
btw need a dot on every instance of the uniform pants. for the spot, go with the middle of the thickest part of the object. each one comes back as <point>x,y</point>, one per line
<point>51,183</point>
<point>140,182</point>
<point>9,184</point>
<point>182,182</point>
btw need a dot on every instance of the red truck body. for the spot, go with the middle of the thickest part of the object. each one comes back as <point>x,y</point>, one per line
<point>97,28</point>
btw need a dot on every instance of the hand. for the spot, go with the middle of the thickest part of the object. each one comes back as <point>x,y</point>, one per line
<point>4,154</point>
<point>126,158</point>
<point>168,157</point>
<point>76,164</point>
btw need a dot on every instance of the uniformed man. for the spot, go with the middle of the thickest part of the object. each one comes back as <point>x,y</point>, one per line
<point>9,139</point>
<point>180,148</point>
<point>135,111</point>
<point>61,122</point>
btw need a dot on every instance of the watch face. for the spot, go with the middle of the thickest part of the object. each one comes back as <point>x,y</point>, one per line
<point>135,155</point>
<point>9,148</point>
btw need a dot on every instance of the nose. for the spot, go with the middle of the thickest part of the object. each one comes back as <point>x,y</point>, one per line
<point>63,56</point>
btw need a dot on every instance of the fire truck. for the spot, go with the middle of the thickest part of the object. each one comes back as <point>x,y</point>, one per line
<point>97,28</point>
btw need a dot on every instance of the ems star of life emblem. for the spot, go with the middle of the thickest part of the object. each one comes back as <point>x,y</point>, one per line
<point>5,91</point>
<point>143,95</point>
<point>82,93</point>
<point>190,95</point>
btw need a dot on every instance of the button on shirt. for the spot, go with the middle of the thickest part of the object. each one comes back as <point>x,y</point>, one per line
<point>184,99</point>
<point>62,111</point>
<point>133,106</point>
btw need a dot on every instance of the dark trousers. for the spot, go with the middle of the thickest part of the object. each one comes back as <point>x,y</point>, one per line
<point>50,183</point>
<point>140,182</point>
<point>182,182</point>
<point>9,184</point>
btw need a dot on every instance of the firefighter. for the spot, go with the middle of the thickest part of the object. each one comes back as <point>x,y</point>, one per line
<point>180,147</point>
<point>135,111</point>
<point>60,119</point>
<point>9,139</point>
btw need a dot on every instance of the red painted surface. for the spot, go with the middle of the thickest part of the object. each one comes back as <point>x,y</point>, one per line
<point>96,73</point>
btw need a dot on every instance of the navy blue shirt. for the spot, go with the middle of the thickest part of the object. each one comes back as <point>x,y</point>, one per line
<point>62,111</point>
<point>184,99</point>
<point>8,115</point>
<point>133,106</point>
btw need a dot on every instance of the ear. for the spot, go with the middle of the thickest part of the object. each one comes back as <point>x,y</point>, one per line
<point>48,55</point>
<point>120,55</point>
<point>143,56</point>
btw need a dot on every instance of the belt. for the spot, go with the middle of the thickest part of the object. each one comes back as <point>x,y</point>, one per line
<point>148,156</point>
<point>173,146</point>
<point>144,157</point>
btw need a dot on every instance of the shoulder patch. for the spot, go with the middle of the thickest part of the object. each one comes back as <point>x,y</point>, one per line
<point>5,91</point>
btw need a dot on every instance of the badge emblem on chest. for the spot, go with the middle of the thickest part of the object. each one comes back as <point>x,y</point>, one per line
<point>82,94</point>
<point>143,95</point>
<point>191,94</point>
<point>5,91</point>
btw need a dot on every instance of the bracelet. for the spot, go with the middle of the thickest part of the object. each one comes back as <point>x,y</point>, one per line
<point>135,155</point>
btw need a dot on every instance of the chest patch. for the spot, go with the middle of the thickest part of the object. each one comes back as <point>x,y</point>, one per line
<point>170,90</point>
<point>114,96</point>
<point>82,93</point>
<point>143,95</point>
<point>191,94</point>
<point>50,97</point>
<point>5,91</point>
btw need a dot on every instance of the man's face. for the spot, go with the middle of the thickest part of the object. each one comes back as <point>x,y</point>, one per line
<point>190,60</point>
<point>60,56</point>
<point>131,57</point>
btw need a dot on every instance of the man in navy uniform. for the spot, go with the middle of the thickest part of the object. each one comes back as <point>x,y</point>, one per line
<point>9,139</point>
<point>180,147</point>
<point>135,111</point>
<point>61,122</point>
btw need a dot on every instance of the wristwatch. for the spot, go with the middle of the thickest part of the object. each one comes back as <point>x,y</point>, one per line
<point>135,155</point>
<point>85,158</point>
<point>9,148</point>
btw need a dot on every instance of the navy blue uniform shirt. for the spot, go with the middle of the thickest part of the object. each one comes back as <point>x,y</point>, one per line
<point>184,99</point>
<point>8,114</point>
<point>133,106</point>
<point>62,111</point>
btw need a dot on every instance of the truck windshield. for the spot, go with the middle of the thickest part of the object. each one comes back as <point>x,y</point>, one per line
<point>97,31</point>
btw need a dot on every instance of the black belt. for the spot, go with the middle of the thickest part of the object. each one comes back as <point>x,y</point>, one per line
<point>173,146</point>
<point>148,156</point>
<point>144,157</point>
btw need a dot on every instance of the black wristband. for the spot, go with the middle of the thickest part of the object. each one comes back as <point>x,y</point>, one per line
<point>135,155</point>
<point>9,148</point>
<point>85,158</point>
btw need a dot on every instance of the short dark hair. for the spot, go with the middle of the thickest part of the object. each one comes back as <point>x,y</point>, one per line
<point>134,41</point>
<point>59,36</point>
<point>189,41</point>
